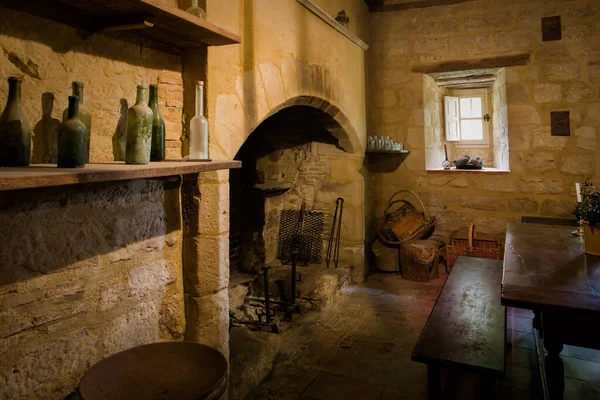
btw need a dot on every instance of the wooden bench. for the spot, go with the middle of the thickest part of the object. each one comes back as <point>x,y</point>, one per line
<point>467,327</point>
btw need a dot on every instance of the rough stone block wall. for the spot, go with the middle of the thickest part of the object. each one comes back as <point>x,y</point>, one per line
<point>320,173</point>
<point>49,56</point>
<point>87,271</point>
<point>562,76</point>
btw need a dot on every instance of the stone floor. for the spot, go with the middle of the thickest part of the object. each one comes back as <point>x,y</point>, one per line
<point>360,349</point>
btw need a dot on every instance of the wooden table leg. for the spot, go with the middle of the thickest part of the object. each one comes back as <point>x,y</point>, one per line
<point>434,382</point>
<point>555,375</point>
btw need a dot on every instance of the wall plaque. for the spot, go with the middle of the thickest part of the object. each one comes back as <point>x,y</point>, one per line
<point>551,29</point>
<point>560,123</point>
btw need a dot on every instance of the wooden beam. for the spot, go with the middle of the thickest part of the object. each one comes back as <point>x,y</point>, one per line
<point>480,63</point>
<point>470,86</point>
<point>413,4</point>
<point>466,81</point>
<point>319,12</point>
<point>467,77</point>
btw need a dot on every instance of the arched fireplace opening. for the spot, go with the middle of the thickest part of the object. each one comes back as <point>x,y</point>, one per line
<point>285,163</point>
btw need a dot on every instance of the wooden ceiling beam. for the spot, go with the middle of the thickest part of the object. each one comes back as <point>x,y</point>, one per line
<point>470,86</point>
<point>379,6</point>
<point>480,63</point>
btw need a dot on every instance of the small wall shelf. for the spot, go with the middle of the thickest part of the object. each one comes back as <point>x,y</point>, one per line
<point>398,152</point>
<point>47,175</point>
<point>152,19</point>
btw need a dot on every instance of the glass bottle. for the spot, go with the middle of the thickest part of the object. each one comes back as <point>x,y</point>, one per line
<point>388,143</point>
<point>15,132</point>
<point>139,130</point>
<point>199,128</point>
<point>195,10</point>
<point>157,148</point>
<point>84,116</point>
<point>381,143</point>
<point>72,138</point>
<point>375,142</point>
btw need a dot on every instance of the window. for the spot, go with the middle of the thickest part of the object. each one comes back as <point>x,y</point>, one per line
<point>467,119</point>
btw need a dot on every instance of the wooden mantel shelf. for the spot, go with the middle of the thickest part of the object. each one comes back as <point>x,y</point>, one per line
<point>47,175</point>
<point>153,19</point>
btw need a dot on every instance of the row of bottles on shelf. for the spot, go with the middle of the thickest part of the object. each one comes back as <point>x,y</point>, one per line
<point>145,130</point>
<point>384,143</point>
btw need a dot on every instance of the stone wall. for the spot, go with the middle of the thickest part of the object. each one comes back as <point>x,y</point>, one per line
<point>87,271</point>
<point>49,56</point>
<point>562,75</point>
<point>91,270</point>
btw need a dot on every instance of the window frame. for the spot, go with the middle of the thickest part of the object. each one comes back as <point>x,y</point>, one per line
<point>483,94</point>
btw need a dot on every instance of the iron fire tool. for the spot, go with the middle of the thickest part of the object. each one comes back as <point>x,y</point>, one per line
<point>295,251</point>
<point>335,233</point>
<point>267,298</point>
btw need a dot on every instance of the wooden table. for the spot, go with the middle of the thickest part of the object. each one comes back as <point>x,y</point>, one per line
<point>547,271</point>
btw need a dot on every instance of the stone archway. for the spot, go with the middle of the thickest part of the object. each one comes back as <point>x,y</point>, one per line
<point>269,88</point>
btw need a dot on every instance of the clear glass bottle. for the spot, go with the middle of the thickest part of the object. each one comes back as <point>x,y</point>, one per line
<point>195,10</point>
<point>84,116</point>
<point>388,143</point>
<point>199,128</point>
<point>139,130</point>
<point>72,138</point>
<point>157,151</point>
<point>15,132</point>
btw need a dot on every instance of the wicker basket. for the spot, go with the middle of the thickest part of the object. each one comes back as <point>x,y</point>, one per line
<point>403,221</point>
<point>472,247</point>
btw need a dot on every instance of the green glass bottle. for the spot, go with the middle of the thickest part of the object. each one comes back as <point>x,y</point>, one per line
<point>157,152</point>
<point>15,132</point>
<point>72,138</point>
<point>84,116</point>
<point>139,130</point>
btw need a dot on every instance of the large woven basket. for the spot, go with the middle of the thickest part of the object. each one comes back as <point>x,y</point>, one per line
<point>472,247</point>
<point>402,221</point>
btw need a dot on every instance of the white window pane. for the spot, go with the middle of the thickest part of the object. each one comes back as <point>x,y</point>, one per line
<point>476,107</point>
<point>465,108</point>
<point>471,129</point>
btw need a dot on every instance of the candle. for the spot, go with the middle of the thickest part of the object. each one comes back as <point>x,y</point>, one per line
<point>578,191</point>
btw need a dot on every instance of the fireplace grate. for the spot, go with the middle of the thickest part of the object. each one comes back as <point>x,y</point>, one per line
<point>310,236</point>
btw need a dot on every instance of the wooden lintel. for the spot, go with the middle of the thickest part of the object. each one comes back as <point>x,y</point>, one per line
<point>466,82</point>
<point>465,78</point>
<point>414,4</point>
<point>470,86</point>
<point>480,63</point>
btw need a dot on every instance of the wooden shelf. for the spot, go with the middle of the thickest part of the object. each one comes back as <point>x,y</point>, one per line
<point>47,175</point>
<point>153,19</point>
<point>398,152</point>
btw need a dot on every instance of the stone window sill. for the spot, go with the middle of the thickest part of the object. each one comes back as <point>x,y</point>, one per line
<point>477,171</point>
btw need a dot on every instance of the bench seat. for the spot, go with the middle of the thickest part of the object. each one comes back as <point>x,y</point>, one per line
<point>467,327</point>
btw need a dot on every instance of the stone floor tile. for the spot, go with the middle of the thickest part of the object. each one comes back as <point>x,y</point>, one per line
<point>520,357</point>
<point>519,324</point>
<point>519,312</point>
<point>390,393</point>
<point>581,353</point>
<point>581,390</point>
<point>520,339</point>
<point>329,387</point>
<point>581,369</point>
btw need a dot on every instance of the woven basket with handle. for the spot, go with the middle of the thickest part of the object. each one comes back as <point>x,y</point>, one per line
<point>472,247</point>
<point>403,221</point>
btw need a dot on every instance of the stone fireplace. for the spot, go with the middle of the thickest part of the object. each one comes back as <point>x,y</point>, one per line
<point>286,163</point>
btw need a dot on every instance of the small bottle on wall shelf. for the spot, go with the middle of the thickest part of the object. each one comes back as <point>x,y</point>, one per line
<point>139,130</point>
<point>15,132</point>
<point>199,128</point>
<point>197,11</point>
<point>84,116</point>
<point>72,138</point>
<point>157,151</point>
